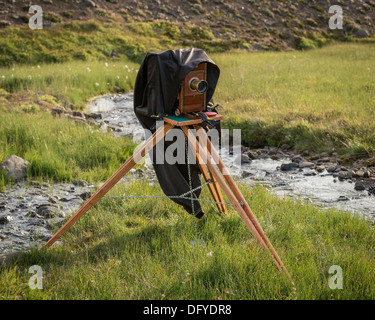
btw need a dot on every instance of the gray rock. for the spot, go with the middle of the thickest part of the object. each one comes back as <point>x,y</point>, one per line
<point>342,175</point>
<point>325,159</point>
<point>359,174</point>
<point>285,147</point>
<point>359,186</point>
<point>252,155</point>
<point>47,211</point>
<point>80,183</point>
<point>297,159</point>
<point>85,195</point>
<point>306,164</point>
<point>289,166</point>
<point>89,3</point>
<point>245,159</point>
<point>320,168</point>
<point>78,114</point>
<point>94,116</point>
<point>246,174</point>
<point>15,168</point>
<point>343,198</point>
<point>53,199</point>
<point>309,173</point>
<point>4,23</point>
<point>331,169</point>
<point>5,220</point>
<point>361,33</point>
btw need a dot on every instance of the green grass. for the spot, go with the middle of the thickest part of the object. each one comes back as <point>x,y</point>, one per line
<point>71,82</point>
<point>59,149</point>
<point>92,41</point>
<point>139,249</point>
<point>316,100</point>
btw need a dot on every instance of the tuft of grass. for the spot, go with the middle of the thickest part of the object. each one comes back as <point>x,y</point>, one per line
<point>139,249</point>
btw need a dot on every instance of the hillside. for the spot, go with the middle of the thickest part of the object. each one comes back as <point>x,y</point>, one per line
<point>254,24</point>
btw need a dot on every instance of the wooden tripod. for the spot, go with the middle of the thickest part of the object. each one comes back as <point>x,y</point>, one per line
<point>217,178</point>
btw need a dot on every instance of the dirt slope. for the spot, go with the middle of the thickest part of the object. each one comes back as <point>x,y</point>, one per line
<point>278,24</point>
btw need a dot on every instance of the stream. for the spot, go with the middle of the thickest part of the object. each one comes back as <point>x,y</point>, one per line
<point>320,188</point>
<point>28,210</point>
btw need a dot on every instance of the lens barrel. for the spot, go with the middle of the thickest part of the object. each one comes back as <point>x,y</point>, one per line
<point>198,85</point>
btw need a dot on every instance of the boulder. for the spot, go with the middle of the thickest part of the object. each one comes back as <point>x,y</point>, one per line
<point>15,168</point>
<point>361,33</point>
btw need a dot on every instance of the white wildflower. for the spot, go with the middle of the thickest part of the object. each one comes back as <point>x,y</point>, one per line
<point>88,69</point>
<point>97,84</point>
<point>106,64</point>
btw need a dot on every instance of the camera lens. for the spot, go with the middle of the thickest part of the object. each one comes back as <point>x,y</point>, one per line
<point>199,85</point>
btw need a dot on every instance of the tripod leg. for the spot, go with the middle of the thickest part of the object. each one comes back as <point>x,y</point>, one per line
<point>194,145</point>
<point>218,191</point>
<point>239,196</point>
<point>211,186</point>
<point>139,154</point>
<point>216,186</point>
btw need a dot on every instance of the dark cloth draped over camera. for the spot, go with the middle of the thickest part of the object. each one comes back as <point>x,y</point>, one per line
<point>156,88</point>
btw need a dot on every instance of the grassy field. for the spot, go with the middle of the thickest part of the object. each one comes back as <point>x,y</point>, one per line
<point>139,249</point>
<point>315,100</point>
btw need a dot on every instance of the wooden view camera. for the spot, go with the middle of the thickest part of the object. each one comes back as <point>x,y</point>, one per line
<point>192,95</point>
